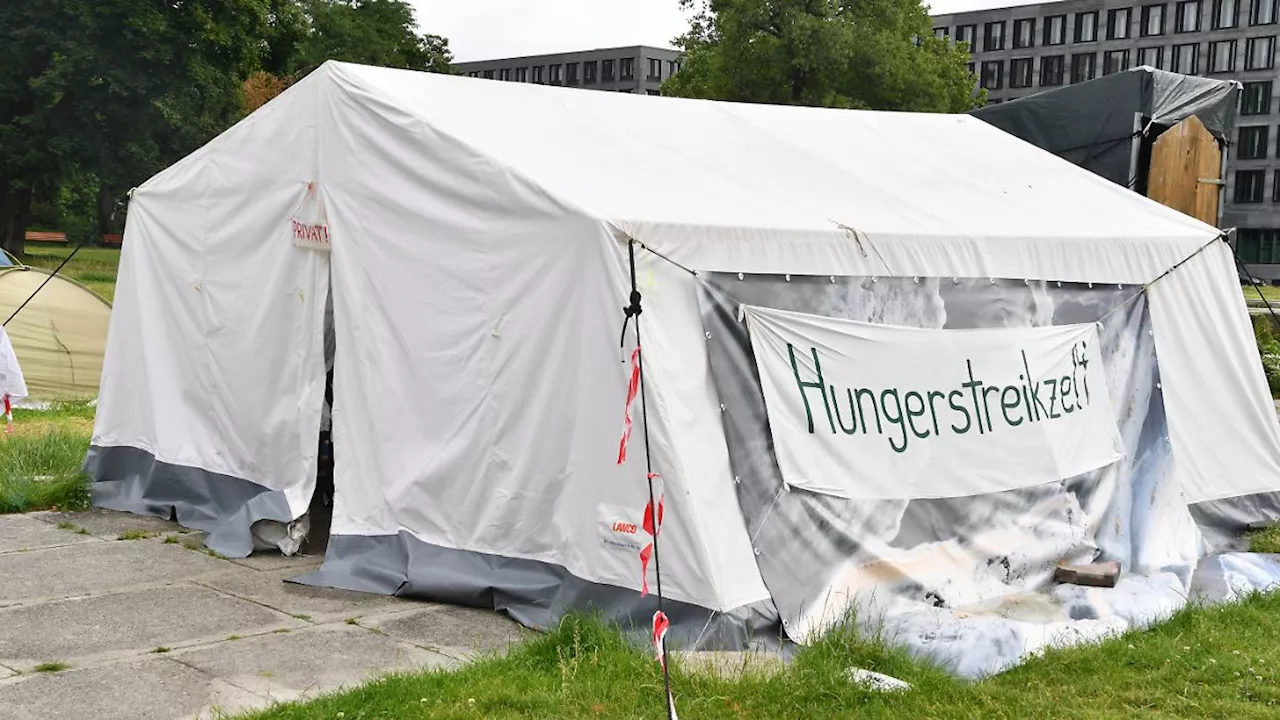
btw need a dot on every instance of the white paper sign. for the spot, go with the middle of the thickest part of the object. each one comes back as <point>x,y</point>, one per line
<point>875,411</point>
<point>309,224</point>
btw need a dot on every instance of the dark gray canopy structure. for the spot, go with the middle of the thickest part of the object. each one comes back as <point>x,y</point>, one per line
<point>1107,125</point>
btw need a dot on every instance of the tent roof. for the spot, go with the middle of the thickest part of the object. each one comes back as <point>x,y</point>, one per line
<point>664,161</point>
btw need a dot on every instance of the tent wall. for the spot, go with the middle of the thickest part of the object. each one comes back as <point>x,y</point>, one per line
<point>479,393</point>
<point>214,377</point>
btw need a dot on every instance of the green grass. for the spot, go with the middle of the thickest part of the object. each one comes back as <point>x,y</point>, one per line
<point>1270,292</point>
<point>1221,662</point>
<point>1266,540</point>
<point>135,535</point>
<point>52,667</point>
<point>93,267</point>
<point>40,464</point>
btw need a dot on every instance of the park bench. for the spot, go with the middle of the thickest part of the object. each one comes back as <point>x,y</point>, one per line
<point>46,237</point>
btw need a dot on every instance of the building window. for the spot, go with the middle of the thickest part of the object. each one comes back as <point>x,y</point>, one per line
<point>1051,70</point>
<point>1249,185</point>
<point>1186,59</point>
<point>673,67</point>
<point>1084,66</point>
<point>993,36</point>
<point>571,73</point>
<point>967,34</point>
<point>504,74</point>
<point>488,74</point>
<point>1259,246</point>
<point>1086,27</point>
<point>1225,14</point>
<point>1253,143</point>
<point>1055,30</point>
<point>1118,23</point>
<point>473,74</point>
<point>1259,53</point>
<point>1024,34</point>
<point>590,72</point>
<point>1152,20</point>
<point>539,74</point>
<point>971,70</point>
<point>1262,12</point>
<point>608,69</point>
<point>992,75</point>
<point>1255,98</point>
<point>1188,19</point>
<point>627,69</point>
<point>557,74</point>
<point>1114,61</point>
<point>1275,187</point>
<point>942,33</point>
<point>1151,57</point>
<point>522,74</point>
<point>1222,56</point>
<point>655,69</point>
<point>1021,73</point>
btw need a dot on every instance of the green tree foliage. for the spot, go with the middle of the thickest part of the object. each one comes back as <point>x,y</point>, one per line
<point>870,54</point>
<point>370,32</point>
<point>98,95</point>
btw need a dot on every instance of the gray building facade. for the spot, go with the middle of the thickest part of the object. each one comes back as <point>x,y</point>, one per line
<point>639,69</point>
<point>1024,50</point>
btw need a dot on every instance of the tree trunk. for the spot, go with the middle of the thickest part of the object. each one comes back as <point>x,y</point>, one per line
<point>15,213</point>
<point>106,207</point>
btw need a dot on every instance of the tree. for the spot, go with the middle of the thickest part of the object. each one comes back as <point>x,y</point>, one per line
<point>114,90</point>
<point>370,32</point>
<point>870,54</point>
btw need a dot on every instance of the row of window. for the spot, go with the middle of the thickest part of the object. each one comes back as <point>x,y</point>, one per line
<point>1119,24</point>
<point>1258,245</point>
<point>593,72</point>
<point>1259,55</point>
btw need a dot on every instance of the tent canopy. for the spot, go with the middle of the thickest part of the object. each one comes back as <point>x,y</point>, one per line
<point>1092,123</point>
<point>477,266</point>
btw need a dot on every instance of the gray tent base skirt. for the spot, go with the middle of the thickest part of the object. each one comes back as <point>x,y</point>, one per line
<point>133,480</point>
<point>534,593</point>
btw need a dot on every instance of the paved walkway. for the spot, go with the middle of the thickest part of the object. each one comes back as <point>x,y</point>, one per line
<point>153,629</point>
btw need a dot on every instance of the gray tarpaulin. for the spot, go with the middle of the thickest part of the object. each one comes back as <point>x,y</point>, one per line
<point>1092,124</point>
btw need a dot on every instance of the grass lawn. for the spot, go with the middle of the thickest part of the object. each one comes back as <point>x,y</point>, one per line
<point>40,462</point>
<point>1270,292</point>
<point>93,267</point>
<point>1219,662</point>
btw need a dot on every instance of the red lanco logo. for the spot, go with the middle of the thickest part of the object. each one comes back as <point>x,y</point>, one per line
<point>622,527</point>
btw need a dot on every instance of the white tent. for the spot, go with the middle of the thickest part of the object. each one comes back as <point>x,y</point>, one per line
<point>474,239</point>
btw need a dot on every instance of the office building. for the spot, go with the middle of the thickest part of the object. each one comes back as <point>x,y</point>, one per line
<point>639,69</point>
<point>1023,50</point>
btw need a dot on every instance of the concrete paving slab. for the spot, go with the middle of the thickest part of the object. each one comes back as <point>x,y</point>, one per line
<point>457,631</point>
<point>268,561</point>
<point>317,604</point>
<point>96,567</point>
<point>309,662</point>
<point>108,524</point>
<point>151,689</point>
<point>77,631</point>
<point>6,672</point>
<point>21,532</point>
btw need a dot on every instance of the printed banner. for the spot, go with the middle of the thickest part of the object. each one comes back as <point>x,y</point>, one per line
<point>860,410</point>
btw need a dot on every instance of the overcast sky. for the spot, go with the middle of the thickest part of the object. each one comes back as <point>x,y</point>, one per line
<point>486,29</point>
